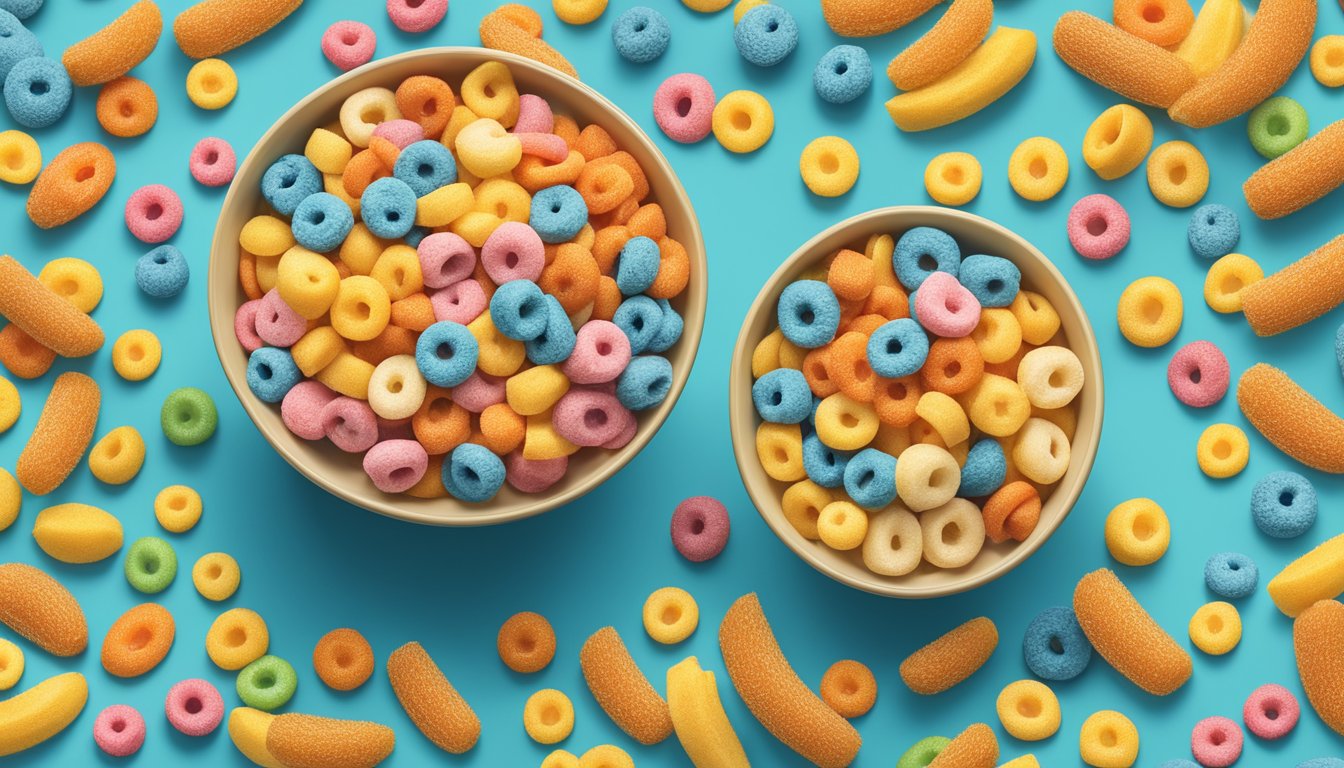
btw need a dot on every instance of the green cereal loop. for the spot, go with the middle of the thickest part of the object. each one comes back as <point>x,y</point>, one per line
<point>1277,126</point>
<point>923,753</point>
<point>267,683</point>
<point>189,416</point>
<point>151,565</point>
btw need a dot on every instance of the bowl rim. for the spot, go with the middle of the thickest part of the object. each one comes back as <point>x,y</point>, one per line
<point>222,333</point>
<point>744,451</point>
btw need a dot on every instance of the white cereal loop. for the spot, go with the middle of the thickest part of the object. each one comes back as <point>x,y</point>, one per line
<point>927,476</point>
<point>953,533</point>
<point>396,389</point>
<point>1041,451</point>
<point>895,543</point>
<point>364,110</point>
<point>1050,376</point>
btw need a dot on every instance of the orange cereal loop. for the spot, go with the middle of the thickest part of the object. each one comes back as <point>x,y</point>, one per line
<point>622,690</point>
<point>894,400</point>
<point>850,275</point>
<point>62,434</point>
<point>572,278</point>
<point>975,747</point>
<point>608,299</point>
<point>343,659</point>
<point>865,324</point>
<point>648,221</point>
<point>953,366</point>
<point>1127,637</point>
<point>631,166</point>
<point>566,128</point>
<point>847,364</point>
<point>1160,22</point>
<point>526,642</point>
<point>413,313</point>
<point>386,152</point>
<point>389,342</point>
<point>428,101</point>
<point>440,424</point>
<point>138,641</point>
<point>212,27</point>
<point>502,429</point>
<point>431,483</point>
<point>1012,512</point>
<point>72,183</point>
<point>866,18</point>
<point>617,216</point>
<point>1316,634</point>
<point>817,371</point>
<point>604,186</point>
<point>517,29</point>
<point>607,245</point>
<point>39,608</point>
<point>1115,59</point>
<point>594,142</point>
<point>674,270</point>
<point>535,174</point>
<point>963,27</point>
<point>364,168</point>
<point>113,50</point>
<point>309,741</point>
<point>849,688</point>
<point>127,107</point>
<point>247,276</point>
<point>888,301</point>
<point>22,355</point>
<point>951,658</point>
<point>432,703</point>
<point>1298,177</point>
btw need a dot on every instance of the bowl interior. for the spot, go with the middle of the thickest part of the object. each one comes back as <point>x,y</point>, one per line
<point>975,235</point>
<point>341,473</point>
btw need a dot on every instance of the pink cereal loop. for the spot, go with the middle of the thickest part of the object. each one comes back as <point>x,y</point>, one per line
<point>349,44</point>
<point>514,251</point>
<point>245,326</point>
<point>588,418</point>
<point>153,213</point>
<point>350,424</point>
<point>546,146</point>
<point>460,302</point>
<point>119,730</point>
<point>1199,374</point>
<point>401,132</point>
<point>445,258</point>
<point>683,107</point>
<point>1098,227</point>
<point>396,465</point>
<point>1216,742</point>
<point>533,475</point>
<point>213,162</point>
<point>700,527</point>
<point>301,410</point>
<point>534,115</point>
<point>194,707</point>
<point>479,391</point>
<point>1271,711</point>
<point>626,434</point>
<point>945,307</point>
<point>601,353</point>
<point>277,324</point>
<point>416,15</point>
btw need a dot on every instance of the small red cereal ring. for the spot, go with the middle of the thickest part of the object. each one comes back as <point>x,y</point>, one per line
<point>534,475</point>
<point>1271,712</point>
<point>1216,742</point>
<point>683,107</point>
<point>1199,374</point>
<point>1098,227</point>
<point>401,132</point>
<point>416,15</point>
<point>700,528</point>
<point>213,162</point>
<point>153,213</point>
<point>349,44</point>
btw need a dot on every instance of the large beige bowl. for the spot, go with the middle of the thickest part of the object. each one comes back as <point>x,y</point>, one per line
<point>341,473</point>
<point>975,235</point>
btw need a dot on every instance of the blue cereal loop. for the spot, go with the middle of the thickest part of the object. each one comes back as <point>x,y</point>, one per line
<point>897,348</point>
<point>870,478</point>
<point>1283,505</point>
<point>519,310</point>
<point>1231,575</point>
<point>637,265</point>
<point>922,251</point>
<point>21,8</point>
<point>639,318</point>
<point>992,280</point>
<point>162,273</point>
<point>388,208</point>
<point>641,34</point>
<point>416,234</point>
<point>425,166</point>
<point>766,35</point>
<point>558,213</point>
<point>37,92</point>
<point>1213,231</point>
<point>782,396</point>
<point>809,313</point>
<point>556,343</point>
<point>271,373</point>
<point>446,353</point>
<point>985,470</point>
<point>824,465</point>
<point>16,43</point>
<point>644,383</point>
<point>321,222</point>
<point>472,473</point>
<point>1055,646</point>
<point>669,330</point>
<point>843,74</point>
<point>288,181</point>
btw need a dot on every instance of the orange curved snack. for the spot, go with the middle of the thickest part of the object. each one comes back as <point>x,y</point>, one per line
<point>517,29</point>
<point>45,315</point>
<point>62,434</point>
<point>113,50</point>
<point>1012,512</point>
<point>39,608</point>
<point>72,183</point>
<point>866,18</point>
<point>963,26</point>
<point>1318,640</point>
<point>951,658</point>
<point>1298,177</point>
<point>774,693</point>
<point>309,741</point>
<point>622,690</point>
<point>1160,22</point>
<point>975,747</point>
<point>432,702</point>
<point>1116,59</point>
<point>138,641</point>
<point>1277,39</point>
<point>1298,293</point>
<point>212,27</point>
<point>1127,637</point>
<point>1290,418</point>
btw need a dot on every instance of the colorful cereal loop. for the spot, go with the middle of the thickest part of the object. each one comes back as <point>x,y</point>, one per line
<point>136,355</point>
<point>1271,711</point>
<point>955,36</point>
<point>113,50</point>
<point>829,166</point>
<point>698,717</point>
<point>622,690</point>
<point>1038,169</point>
<point>343,659</point>
<point>670,615</point>
<point>1178,174</point>
<point>216,576</point>
<point>127,107</point>
<point>849,688</point>
<point>1222,451</point>
<point>517,29</point>
<point>1150,311</point>
<point>578,12</point>
<point>951,658</point>
<point>743,121</point>
<point>212,27</point>
<point>1216,33</point>
<point>1216,628</point>
<point>138,641</point>
<point>990,72</point>
<point>1138,532</point>
<point>431,701</point>
<point>237,638</point>
<point>20,157</point>
<point>211,84</point>
<point>1327,61</point>
<point>953,178</point>
<point>1115,59</point>
<point>40,609</point>
<point>1108,739</point>
<point>62,433</point>
<point>1160,22</point>
<point>1127,636</point>
<point>1117,141</point>
<point>1298,293</point>
<point>1226,280</point>
<point>1277,125</point>
<point>116,459</point>
<point>1299,177</point>
<point>548,716</point>
<point>72,183</point>
<point>526,642</point>
<point>1028,710</point>
<point>177,508</point>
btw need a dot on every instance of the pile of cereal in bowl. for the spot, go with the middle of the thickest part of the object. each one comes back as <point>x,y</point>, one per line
<point>464,288</point>
<point>914,402</point>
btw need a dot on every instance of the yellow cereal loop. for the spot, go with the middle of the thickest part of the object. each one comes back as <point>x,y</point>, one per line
<point>178,508</point>
<point>844,423</point>
<point>1327,61</point>
<point>765,355</point>
<point>237,638</point>
<point>578,12</point>
<point>997,406</point>
<point>1025,761</point>
<point>328,151</point>
<point>398,271</point>
<point>361,249</point>
<point>1227,278</point>
<point>1178,175</point>
<point>743,6</point>
<point>548,716</point>
<point>308,282</point>
<point>334,184</point>
<point>998,336</point>
<point>504,199</point>
<point>1117,141</point>
<point>136,355</point>
<point>706,6</point>
<point>879,250</point>
<point>1222,451</point>
<point>1216,33</point>
<point>535,390</point>
<point>498,355</point>
<point>265,235</point>
<point>75,280</point>
<point>266,272</point>
<point>829,166</point>
<point>216,576</point>
<point>489,92</point>
<point>1036,316</point>
<point>11,664</point>
<point>953,178</point>
<point>671,615</point>
<point>541,441</point>
<point>1029,710</point>
<point>780,450</point>
<point>992,70</point>
<point>743,121</point>
<point>11,498</point>
<point>316,349</point>
<point>560,759</point>
<point>347,375</point>
<point>118,457</point>
<point>1150,311</point>
<point>1108,739</point>
<point>791,355</point>
<point>946,417</point>
<point>11,405</point>
<point>361,309</point>
<point>1216,628</point>
<point>608,755</point>
<point>362,111</point>
<point>20,157</point>
<point>475,227</point>
<point>486,148</point>
<point>1138,532</point>
<point>444,205</point>
<point>842,525</point>
<point>211,84</point>
<point>1038,169</point>
<point>802,504</point>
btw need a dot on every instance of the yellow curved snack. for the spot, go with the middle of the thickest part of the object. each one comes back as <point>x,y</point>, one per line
<point>212,27</point>
<point>775,695</point>
<point>41,712</point>
<point>309,741</point>
<point>1290,418</point>
<point>866,18</point>
<point>39,608</point>
<point>698,718</point>
<point>1127,637</point>
<point>1298,177</point>
<point>248,728</point>
<point>1117,141</point>
<point>1216,33</point>
<point>113,50</point>
<point>77,533</point>
<point>432,702</point>
<point>1275,43</point>
<point>1318,640</point>
<point>622,690</point>
<point>991,71</point>
<point>1298,293</point>
<point>975,747</point>
<point>963,27</point>
<point>1317,575</point>
<point>1124,63</point>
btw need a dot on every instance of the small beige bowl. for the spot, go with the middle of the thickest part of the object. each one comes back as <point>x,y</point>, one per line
<point>975,235</point>
<point>341,473</point>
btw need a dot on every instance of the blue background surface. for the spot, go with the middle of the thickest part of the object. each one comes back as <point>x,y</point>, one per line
<point>311,564</point>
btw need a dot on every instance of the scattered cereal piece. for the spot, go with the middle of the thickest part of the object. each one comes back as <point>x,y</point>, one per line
<point>952,39</point>
<point>216,576</point>
<point>153,213</point>
<point>1283,505</point>
<point>579,12</point>
<point>1055,646</point>
<point>62,433</point>
<point>1108,739</point>
<point>151,564</point>
<point>1277,125</point>
<point>1028,710</point>
<point>1216,628</point>
<point>42,711</point>
<point>237,638</point>
<point>39,608</point>
<point>1216,33</point>
<point>683,107</point>
<point>1126,635</point>
<point>1290,418</point>
<point>1299,177</point>
<point>20,157</point>
<point>548,716</point>
<point>526,642</point>
<point>867,18</point>
<point>37,92</point>
<point>849,688</point>
<point>189,416</point>
<point>1216,742</point>
<point>1327,60</point>
<point>1150,311</point>
<point>842,74</point>
<point>743,121</point>
<point>127,107</point>
<point>1271,711</point>
<point>1160,22</point>
<point>72,183</point>
<point>1316,637</point>
<point>622,690</point>
<point>119,730</point>
<point>343,659</point>
<point>1213,231</point>
<point>987,74</point>
<point>138,641</point>
<point>194,707</point>
<point>950,659</point>
<point>975,747</point>
<point>700,527</point>
<point>670,615</point>
<point>212,27</point>
<point>1098,227</point>
<point>77,533</point>
<point>349,44</point>
<point>1178,175</point>
<point>113,50</point>
<point>1116,59</point>
<point>1313,577</point>
<point>517,29</point>
<point>923,752</point>
<point>1198,374</point>
<point>11,498</point>
<point>267,683</point>
<point>1038,169</point>
<point>766,35</point>
<point>1223,451</point>
<point>308,741</point>
<point>1231,575</point>
<point>431,702</point>
<point>1117,141</point>
<point>1296,294</point>
<point>697,714</point>
<point>953,178</point>
<point>416,17</point>
<point>212,162</point>
<point>1138,532</point>
<point>829,166</point>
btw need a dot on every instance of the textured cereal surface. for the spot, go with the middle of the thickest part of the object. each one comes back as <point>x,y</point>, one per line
<point>865,18</point>
<point>432,702</point>
<point>622,690</point>
<point>975,747</point>
<point>1318,640</point>
<point>1124,63</point>
<point>212,27</point>
<point>309,741</point>
<point>1300,176</point>
<point>1127,637</point>
<point>1290,418</point>
<point>113,50</point>
<point>1298,293</point>
<point>962,27</point>
<point>951,658</point>
<point>39,608</point>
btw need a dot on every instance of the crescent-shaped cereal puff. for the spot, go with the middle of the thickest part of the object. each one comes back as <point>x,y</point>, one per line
<point>622,690</point>
<point>963,27</point>
<point>113,50</point>
<point>1290,418</point>
<point>951,658</point>
<point>62,434</point>
<point>247,729</point>
<point>975,747</point>
<point>991,71</point>
<point>41,712</point>
<point>72,183</point>
<point>516,29</point>
<point>774,693</point>
<point>1318,640</point>
<point>698,718</point>
<point>1116,59</point>
<point>39,608</point>
<point>1315,576</point>
<point>1275,43</point>
<point>77,533</point>
<point>1117,141</point>
<point>212,27</point>
<point>1127,636</point>
<point>308,741</point>
<point>432,702</point>
<point>866,18</point>
<point>138,641</point>
<point>1213,37</point>
<point>1298,177</point>
<point>46,316</point>
<point>1298,293</point>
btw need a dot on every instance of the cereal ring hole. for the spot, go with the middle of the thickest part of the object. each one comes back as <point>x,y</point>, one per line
<point>375,114</point>
<point>14,158</point>
<point>118,725</point>
<point>684,106</point>
<point>1177,173</point>
<point>1144,527</point>
<point>951,532</point>
<point>953,369</point>
<point>193,705</point>
<point>84,173</point>
<point>595,418</point>
<point>1029,706</point>
<point>527,644</point>
<point>741,121</point>
<point>38,87</point>
<point>1232,284</point>
<point>1217,738</point>
<point>126,108</point>
<point>235,637</point>
<point>1109,738</point>
<point>672,613</point>
<point>211,84</point>
<point>1222,449</point>
<point>926,262</point>
<point>1195,375</point>
<point>1038,168</point>
<point>849,420</point>
<point>154,211</point>
<point>1286,498</point>
<point>349,38</point>
<point>211,157</point>
<point>1277,125</point>
<point>139,639</point>
<point>953,174</point>
<point>214,572</point>
<point>829,163</point>
<point>1096,227</point>
<point>697,526</point>
<point>1055,645</point>
<point>1215,624</point>
<point>1152,310</point>
<point>1335,57</point>
<point>550,715</point>
<point>1154,13</point>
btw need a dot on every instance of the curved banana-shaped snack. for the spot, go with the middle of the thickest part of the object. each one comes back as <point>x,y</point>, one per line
<point>698,718</point>
<point>41,712</point>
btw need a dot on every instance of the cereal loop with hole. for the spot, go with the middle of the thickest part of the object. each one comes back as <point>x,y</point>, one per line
<point>670,615</point>
<point>1138,532</point>
<point>1038,169</point>
<point>1178,174</point>
<point>1150,311</point>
